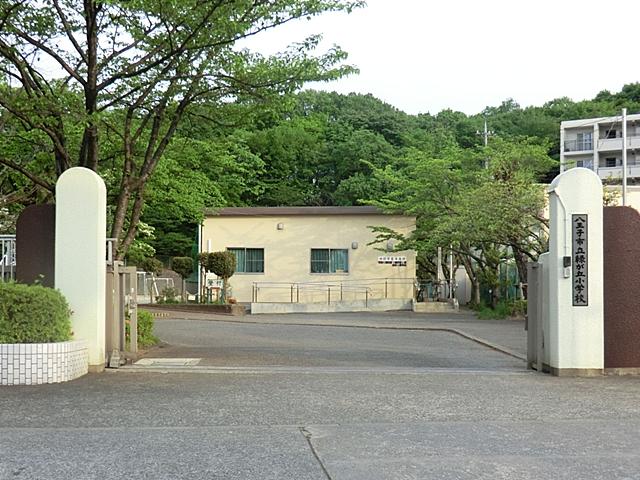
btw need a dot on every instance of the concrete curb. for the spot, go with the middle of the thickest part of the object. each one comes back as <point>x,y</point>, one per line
<point>276,370</point>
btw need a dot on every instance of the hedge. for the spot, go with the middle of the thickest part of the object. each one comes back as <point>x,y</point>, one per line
<point>33,314</point>
<point>146,338</point>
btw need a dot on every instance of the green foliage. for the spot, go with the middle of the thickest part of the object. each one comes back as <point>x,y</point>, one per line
<point>484,215</point>
<point>139,253</point>
<point>168,295</point>
<point>133,73</point>
<point>223,264</point>
<point>146,338</point>
<point>183,266</point>
<point>511,309</point>
<point>152,265</point>
<point>140,249</point>
<point>33,314</point>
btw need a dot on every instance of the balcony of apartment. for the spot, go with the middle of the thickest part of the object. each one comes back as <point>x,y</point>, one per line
<point>615,173</point>
<point>615,144</point>
<point>578,146</point>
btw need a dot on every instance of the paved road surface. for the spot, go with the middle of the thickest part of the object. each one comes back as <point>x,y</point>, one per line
<point>327,421</point>
<point>235,344</point>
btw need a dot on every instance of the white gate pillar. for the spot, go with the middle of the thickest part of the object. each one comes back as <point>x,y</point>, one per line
<point>80,256</point>
<point>575,339</point>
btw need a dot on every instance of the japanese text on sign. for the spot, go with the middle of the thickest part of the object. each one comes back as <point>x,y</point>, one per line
<point>395,261</point>
<point>580,257</point>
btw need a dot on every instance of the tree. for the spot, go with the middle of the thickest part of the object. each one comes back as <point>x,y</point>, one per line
<point>183,266</point>
<point>154,267</point>
<point>223,264</point>
<point>485,216</point>
<point>131,71</point>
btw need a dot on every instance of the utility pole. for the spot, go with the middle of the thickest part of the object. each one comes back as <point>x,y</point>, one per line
<point>451,275</point>
<point>624,157</point>
<point>485,134</point>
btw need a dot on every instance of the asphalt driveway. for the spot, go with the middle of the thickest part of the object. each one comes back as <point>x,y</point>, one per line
<point>329,398</point>
<point>220,343</point>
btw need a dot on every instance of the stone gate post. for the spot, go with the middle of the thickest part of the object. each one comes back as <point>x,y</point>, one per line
<point>576,307</point>
<point>80,256</point>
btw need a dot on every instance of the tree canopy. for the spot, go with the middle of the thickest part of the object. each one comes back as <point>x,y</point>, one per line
<point>160,98</point>
<point>128,72</point>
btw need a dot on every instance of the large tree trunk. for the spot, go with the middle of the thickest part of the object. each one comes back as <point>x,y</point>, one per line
<point>475,288</point>
<point>521,264</point>
<point>89,149</point>
<point>473,278</point>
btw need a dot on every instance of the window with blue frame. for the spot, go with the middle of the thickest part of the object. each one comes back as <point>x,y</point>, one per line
<point>329,260</point>
<point>248,260</point>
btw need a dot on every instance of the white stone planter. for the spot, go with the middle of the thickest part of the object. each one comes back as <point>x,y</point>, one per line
<point>40,363</point>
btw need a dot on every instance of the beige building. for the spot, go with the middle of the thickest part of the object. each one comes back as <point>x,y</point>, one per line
<point>311,254</point>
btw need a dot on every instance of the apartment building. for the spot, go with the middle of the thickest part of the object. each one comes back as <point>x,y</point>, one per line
<point>596,143</point>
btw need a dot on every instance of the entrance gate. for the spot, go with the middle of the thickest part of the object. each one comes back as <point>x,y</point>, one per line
<point>583,302</point>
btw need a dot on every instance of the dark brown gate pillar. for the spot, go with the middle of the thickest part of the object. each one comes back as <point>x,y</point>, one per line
<point>621,287</point>
<point>35,245</point>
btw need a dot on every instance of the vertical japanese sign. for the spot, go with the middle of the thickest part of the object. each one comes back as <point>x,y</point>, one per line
<point>580,260</point>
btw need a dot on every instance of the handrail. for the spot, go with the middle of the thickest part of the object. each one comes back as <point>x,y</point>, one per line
<point>7,257</point>
<point>368,287</point>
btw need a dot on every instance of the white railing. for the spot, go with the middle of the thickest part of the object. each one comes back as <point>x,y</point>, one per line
<point>578,145</point>
<point>7,257</point>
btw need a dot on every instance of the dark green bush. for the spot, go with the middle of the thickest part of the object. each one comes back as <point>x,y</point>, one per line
<point>152,265</point>
<point>183,266</point>
<point>223,264</point>
<point>33,314</point>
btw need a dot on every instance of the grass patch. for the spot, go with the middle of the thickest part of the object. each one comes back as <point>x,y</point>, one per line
<point>514,308</point>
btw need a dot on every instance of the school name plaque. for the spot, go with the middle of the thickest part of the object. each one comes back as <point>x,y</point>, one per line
<point>580,256</point>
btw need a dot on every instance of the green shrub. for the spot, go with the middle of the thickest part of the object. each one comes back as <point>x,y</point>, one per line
<point>518,308</point>
<point>146,338</point>
<point>512,308</point>
<point>33,314</point>
<point>223,264</point>
<point>152,265</point>
<point>183,266</point>
<point>168,295</point>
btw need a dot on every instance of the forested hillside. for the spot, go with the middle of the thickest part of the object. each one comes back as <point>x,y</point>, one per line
<point>323,148</point>
<point>319,148</point>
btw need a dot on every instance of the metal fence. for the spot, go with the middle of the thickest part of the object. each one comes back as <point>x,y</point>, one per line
<point>7,257</point>
<point>150,287</point>
<point>347,290</point>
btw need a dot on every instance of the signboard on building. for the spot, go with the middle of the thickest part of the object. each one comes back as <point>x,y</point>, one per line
<point>580,259</point>
<point>212,281</point>
<point>393,260</point>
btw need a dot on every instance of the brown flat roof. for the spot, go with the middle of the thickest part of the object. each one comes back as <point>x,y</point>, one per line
<point>283,211</point>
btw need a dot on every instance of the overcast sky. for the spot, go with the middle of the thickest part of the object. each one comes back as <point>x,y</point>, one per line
<point>424,55</point>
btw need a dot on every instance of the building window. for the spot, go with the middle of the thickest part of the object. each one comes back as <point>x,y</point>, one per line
<point>248,260</point>
<point>610,134</point>
<point>580,163</point>
<point>610,162</point>
<point>584,141</point>
<point>328,260</point>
